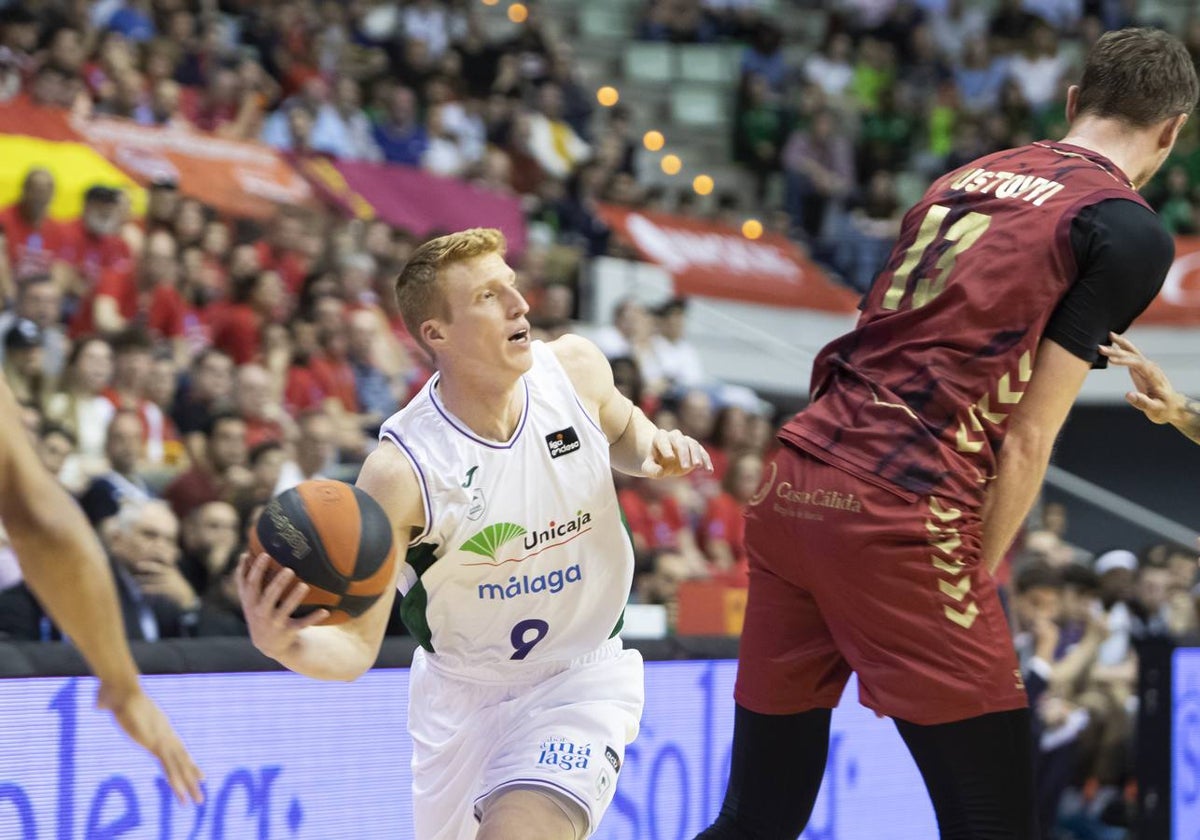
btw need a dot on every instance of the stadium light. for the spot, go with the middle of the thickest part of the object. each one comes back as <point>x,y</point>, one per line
<point>653,141</point>
<point>608,96</point>
<point>752,229</point>
<point>671,164</point>
<point>518,13</point>
<point>702,184</point>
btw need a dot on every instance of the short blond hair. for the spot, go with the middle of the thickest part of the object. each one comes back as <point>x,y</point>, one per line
<point>418,294</point>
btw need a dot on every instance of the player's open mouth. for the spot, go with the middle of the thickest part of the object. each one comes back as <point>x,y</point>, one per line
<point>521,336</point>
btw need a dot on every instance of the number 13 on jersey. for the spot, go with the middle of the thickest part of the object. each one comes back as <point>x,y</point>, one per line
<point>959,237</point>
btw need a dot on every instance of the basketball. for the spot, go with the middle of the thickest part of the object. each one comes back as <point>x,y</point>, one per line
<point>336,538</point>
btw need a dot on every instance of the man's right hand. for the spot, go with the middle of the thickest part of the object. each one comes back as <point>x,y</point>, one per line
<point>268,608</point>
<point>1154,396</point>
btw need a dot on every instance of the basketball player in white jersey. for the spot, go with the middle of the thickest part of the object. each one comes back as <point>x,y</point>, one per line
<point>63,563</point>
<point>498,478</point>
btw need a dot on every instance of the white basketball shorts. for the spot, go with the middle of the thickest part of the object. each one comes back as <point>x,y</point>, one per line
<point>563,730</point>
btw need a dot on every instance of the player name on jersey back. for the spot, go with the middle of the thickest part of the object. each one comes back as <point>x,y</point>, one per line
<point>1033,189</point>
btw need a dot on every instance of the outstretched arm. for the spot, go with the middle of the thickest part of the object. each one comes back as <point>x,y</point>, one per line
<point>1153,393</point>
<point>64,565</point>
<point>636,445</point>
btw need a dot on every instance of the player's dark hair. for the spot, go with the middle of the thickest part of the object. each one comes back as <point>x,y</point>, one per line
<point>1138,76</point>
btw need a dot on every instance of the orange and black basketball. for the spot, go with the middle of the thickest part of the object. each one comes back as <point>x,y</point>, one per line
<point>336,538</point>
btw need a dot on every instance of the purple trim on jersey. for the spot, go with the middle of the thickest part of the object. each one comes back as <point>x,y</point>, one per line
<point>571,386</point>
<point>465,432</point>
<point>570,794</point>
<point>588,415</point>
<point>426,496</point>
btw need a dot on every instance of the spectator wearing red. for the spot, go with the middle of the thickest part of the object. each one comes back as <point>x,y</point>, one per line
<point>258,404</point>
<point>237,329</point>
<point>284,251</point>
<point>132,362</point>
<point>729,437</point>
<point>221,475</point>
<point>162,205</point>
<point>205,293</point>
<point>302,392</point>
<point>332,369</point>
<point>93,244</point>
<point>723,528</point>
<point>34,240</point>
<point>144,296</point>
<point>657,522</point>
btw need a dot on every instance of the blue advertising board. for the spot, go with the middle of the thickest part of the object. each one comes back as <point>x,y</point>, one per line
<point>288,758</point>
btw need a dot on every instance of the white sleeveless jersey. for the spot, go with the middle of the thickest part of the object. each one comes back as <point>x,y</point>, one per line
<point>525,556</point>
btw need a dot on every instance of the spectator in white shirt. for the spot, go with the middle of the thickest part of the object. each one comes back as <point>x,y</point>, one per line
<point>676,356</point>
<point>1039,68</point>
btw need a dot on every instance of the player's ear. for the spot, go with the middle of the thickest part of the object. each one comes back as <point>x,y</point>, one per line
<point>1072,103</point>
<point>1170,131</point>
<point>432,332</point>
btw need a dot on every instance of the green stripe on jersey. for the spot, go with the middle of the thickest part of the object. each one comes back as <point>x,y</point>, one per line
<point>421,557</point>
<point>628,536</point>
<point>414,604</point>
<point>412,613</point>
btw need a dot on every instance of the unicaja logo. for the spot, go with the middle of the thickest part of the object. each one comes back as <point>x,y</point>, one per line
<point>489,541</point>
<point>557,530</point>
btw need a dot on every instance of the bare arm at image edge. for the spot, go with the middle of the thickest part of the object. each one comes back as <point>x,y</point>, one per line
<point>65,567</point>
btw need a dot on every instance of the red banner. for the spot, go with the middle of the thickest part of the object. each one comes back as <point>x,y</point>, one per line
<point>240,179</point>
<point>415,200</point>
<point>716,261</point>
<point>1178,304</point>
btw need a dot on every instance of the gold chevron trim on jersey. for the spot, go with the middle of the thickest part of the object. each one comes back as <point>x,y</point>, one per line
<point>1006,395</point>
<point>946,542</point>
<point>957,591</point>
<point>944,514</point>
<point>953,567</point>
<point>963,619</point>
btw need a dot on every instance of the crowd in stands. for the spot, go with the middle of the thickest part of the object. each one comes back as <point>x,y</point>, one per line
<point>1078,619</point>
<point>178,370</point>
<point>845,130</point>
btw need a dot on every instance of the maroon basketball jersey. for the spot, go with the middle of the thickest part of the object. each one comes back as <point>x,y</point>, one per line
<point>918,393</point>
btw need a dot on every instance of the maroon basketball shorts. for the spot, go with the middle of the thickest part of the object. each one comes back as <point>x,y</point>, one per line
<point>846,575</point>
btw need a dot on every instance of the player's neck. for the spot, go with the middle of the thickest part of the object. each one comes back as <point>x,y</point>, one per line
<point>1124,148</point>
<point>489,410</point>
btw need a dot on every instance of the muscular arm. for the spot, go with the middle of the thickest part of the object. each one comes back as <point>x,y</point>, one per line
<point>65,567</point>
<point>60,557</point>
<point>1153,393</point>
<point>636,445</point>
<point>1187,419</point>
<point>1033,426</point>
<point>343,651</point>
